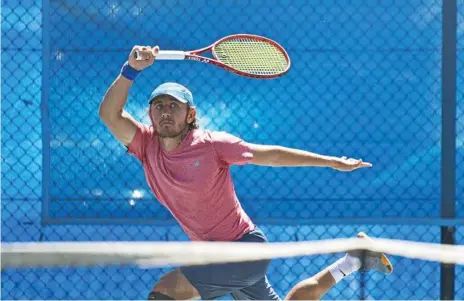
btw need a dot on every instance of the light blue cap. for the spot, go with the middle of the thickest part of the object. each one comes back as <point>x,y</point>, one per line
<point>175,90</point>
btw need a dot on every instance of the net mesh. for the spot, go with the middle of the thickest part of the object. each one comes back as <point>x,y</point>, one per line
<point>408,265</point>
<point>252,56</point>
<point>412,279</point>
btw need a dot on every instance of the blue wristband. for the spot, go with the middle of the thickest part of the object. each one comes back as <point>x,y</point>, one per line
<point>128,72</point>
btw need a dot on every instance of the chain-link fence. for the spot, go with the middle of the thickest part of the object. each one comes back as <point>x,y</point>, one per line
<point>459,283</point>
<point>412,279</point>
<point>460,114</point>
<point>365,82</point>
<point>390,96</point>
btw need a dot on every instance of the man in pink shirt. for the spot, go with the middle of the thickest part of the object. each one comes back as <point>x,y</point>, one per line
<point>188,171</point>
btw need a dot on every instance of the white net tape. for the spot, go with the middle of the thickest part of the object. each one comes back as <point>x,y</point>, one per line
<point>157,254</point>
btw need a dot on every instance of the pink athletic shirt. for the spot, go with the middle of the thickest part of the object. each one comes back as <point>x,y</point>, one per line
<point>194,182</point>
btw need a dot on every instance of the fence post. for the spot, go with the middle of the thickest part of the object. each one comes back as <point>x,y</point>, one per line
<point>448,151</point>
<point>44,109</point>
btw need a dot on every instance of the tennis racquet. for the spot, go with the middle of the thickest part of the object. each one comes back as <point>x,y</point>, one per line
<point>244,54</point>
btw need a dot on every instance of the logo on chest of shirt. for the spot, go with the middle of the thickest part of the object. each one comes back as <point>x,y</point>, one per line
<point>196,163</point>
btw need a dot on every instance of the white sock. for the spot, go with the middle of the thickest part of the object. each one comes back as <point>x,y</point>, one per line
<point>344,267</point>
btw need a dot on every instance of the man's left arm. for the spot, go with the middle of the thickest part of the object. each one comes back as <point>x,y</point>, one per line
<point>279,156</point>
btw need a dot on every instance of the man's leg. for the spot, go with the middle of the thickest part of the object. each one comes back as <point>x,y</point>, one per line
<point>214,280</point>
<point>261,290</point>
<point>173,286</point>
<point>318,285</point>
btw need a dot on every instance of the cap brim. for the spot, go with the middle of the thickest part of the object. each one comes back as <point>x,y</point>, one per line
<point>175,96</point>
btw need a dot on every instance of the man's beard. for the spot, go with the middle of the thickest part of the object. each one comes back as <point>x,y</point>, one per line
<point>170,134</point>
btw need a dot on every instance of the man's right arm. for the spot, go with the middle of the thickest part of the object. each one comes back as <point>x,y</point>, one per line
<point>119,122</point>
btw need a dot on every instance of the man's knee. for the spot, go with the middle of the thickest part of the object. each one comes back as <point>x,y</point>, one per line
<point>158,296</point>
<point>175,286</point>
<point>305,290</point>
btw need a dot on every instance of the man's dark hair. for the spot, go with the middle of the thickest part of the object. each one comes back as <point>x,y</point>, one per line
<point>194,124</point>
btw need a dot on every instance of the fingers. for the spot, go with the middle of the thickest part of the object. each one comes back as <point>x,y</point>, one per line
<point>366,164</point>
<point>360,163</point>
<point>363,164</point>
<point>135,52</point>
<point>144,52</point>
<point>141,57</point>
<point>155,50</point>
<point>352,164</point>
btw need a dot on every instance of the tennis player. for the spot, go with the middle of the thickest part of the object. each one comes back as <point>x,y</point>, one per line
<point>188,171</point>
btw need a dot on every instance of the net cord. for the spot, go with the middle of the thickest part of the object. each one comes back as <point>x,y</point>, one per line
<point>158,254</point>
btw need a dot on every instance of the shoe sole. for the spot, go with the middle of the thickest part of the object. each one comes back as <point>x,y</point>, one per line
<point>383,258</point>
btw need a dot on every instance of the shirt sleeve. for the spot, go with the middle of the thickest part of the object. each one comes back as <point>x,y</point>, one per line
<point>231,149</point>
<point>139,143</point>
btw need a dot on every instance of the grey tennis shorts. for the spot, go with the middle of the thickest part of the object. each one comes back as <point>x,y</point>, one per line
<point>243,280</point>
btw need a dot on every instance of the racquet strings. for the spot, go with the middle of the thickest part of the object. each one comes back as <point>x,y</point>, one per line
<point>252,56</point>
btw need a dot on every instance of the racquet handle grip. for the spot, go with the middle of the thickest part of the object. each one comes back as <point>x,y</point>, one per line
<point>164,55</point>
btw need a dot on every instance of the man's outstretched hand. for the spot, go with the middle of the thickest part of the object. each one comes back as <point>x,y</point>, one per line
<point>344,164</point>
